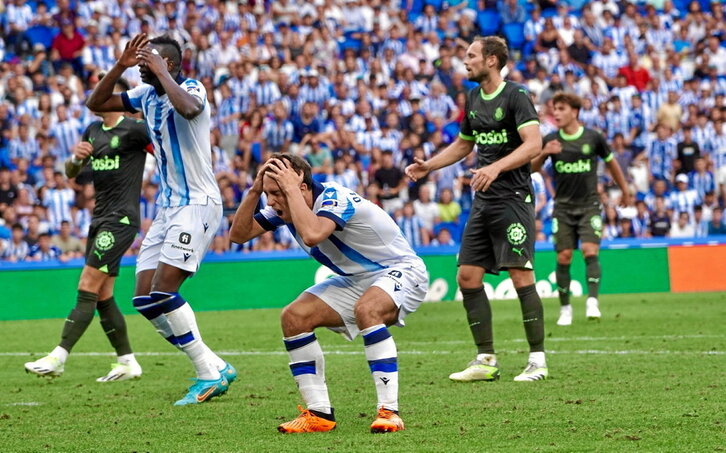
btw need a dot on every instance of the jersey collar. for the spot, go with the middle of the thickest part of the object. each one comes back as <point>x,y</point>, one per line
<point>574,136</point>
<point>317,190</point>
<point>111,127</point>
<point>489,97</point>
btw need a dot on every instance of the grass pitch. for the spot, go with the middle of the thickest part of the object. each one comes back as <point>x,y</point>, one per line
<point>649,376</point>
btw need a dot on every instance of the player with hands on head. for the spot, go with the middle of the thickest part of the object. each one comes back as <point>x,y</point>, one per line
<point>577,217</point>
<point>190,206</point>
<point>114,148</point>
<point>501,121</point>
<point>379,281</point>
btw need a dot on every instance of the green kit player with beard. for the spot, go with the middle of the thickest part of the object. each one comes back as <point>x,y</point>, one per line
<point>116,149</point>
<point>574,151</point>
<point>502,122</point>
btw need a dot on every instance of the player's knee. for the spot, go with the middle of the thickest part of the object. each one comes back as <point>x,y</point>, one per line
<point>295,320</point>
<point>564,257</point>
<point>468,279</point>
<point>90,281</point>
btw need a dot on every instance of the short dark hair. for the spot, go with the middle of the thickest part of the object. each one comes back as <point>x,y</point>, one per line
<point>494,45</point>
<point>171,49</point>
<point>570,99</point>
<point>298,164</point>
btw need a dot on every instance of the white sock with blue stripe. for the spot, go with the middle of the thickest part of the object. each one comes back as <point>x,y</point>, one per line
<point>307,365</point>
<point>152,310</point>
<point>382,359</point>
<point>183,325</point>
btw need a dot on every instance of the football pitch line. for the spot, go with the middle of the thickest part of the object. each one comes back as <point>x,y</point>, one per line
<point>403,352</point>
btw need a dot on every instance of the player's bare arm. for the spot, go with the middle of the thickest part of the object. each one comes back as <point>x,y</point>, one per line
<point>184,103</point>
<point>103,99</point>
<point>552,147</point>
<point>530,148</point>
<point>244,226</point>
<point>311,228</point>
<point>452,153</point>
<point>81,152</point>
<point>619,177</point>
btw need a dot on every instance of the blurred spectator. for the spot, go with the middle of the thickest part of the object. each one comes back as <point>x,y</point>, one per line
<point>682,228</point>
<point>412,226</point>
<point>43,250</point>
<point>69,245</point>
<point>716,226</point>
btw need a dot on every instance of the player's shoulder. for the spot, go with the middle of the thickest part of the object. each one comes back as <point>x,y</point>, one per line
<point>592,134</point>
<point>515,89</point>
<point>94,126</point>
<point>551,136</point>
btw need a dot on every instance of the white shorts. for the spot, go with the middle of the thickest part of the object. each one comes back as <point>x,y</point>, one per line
<point>179,237</point>
<point>406,284</point>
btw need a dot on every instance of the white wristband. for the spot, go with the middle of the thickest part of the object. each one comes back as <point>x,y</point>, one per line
<point>75,161</point>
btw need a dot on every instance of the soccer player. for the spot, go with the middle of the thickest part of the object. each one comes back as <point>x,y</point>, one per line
<point>501,120</point>
<point>577,217</point>
<point>380,280</point>
<point>178,117</point>
<point>115,148</point>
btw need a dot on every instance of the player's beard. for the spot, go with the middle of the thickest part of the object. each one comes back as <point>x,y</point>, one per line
<point>480,77</point>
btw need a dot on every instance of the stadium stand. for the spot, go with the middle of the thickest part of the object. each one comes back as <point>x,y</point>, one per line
<point>341,82</point>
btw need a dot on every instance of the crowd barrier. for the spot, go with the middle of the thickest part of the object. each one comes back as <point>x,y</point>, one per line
<point>271,280</point>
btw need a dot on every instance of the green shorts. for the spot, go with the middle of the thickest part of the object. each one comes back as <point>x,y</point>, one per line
<point>499,236</point>
<point>574,224</point>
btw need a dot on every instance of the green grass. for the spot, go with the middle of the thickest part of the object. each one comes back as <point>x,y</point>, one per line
<point>650,376</point>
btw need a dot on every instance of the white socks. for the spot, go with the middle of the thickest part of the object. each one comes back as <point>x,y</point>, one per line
<point>382,359</point>
<point>60,354</point>
<point>307,365</point>
<point>538,358</point>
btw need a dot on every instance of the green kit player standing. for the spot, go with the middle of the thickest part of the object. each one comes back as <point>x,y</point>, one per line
<point>574,150</point>
<point>116,149</point>
<point>501,120</point>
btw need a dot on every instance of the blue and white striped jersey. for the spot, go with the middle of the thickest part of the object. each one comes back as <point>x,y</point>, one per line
<point>366,239</point>
<point>59,203</point>
<point>660,157</point>
<point>181,146</point>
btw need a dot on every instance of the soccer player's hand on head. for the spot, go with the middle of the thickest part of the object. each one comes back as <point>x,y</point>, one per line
<point>82,150</point>
<point>151,59</point>
<point>418,169</point>
<point>553,147</point>
<point>257,184</point>
<point>129,57</point>
<point>286,177</point>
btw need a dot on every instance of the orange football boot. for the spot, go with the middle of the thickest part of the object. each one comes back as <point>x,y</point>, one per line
<point>387,421</point>
<point>307,422</point>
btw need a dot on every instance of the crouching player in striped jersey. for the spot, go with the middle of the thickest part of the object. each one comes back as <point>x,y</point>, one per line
<point>380,280</point>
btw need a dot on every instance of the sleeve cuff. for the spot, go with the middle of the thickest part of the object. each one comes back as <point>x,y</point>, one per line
<point>127,103</point>
<point>468,138</point>
<point>339,223</point>
<point>528,123</point>
<point>609,157</point>
<point>264,223</point>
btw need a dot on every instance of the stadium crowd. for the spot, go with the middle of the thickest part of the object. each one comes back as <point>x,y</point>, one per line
<point>360,88</point>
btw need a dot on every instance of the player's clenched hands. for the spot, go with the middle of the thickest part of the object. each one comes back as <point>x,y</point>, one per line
<point>484,177</point>
<point>418,169</point>
<point>284,175</point>
<point>552,147</point>
<point>129,56</point>
<point>152,60</point>
<point>82,151</point>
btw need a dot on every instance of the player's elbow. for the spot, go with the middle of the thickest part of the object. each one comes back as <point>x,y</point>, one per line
<point>92,104</point>
<point>312,241</point>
